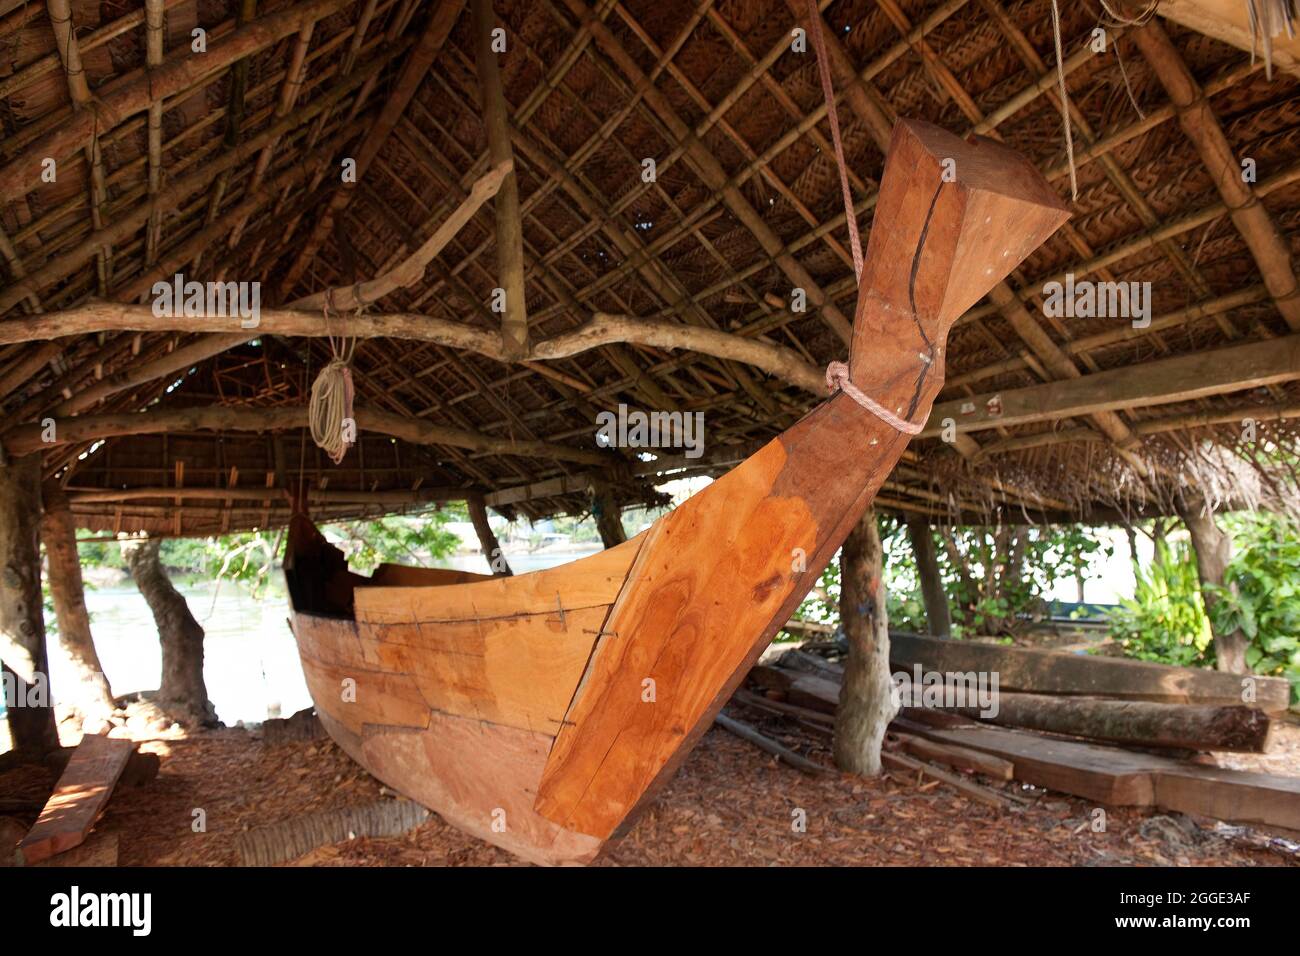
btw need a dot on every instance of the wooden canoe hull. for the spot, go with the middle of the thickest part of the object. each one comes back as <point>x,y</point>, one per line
<point>540,712</point>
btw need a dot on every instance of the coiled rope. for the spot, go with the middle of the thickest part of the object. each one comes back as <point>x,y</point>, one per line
<point>330,412</point>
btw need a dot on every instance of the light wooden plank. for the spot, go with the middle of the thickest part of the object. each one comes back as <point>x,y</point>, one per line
<point>588,582</point>
<point>479,777</point>
<point>78,798</point>
<point>380,698</point>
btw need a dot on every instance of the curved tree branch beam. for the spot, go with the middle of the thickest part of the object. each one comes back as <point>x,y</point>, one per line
<point>601,329</point>
<point>91,428</point>
<point>411,269</point>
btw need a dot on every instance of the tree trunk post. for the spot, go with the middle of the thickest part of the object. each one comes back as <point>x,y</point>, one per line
<point>867,702</point>
<point>182,692</point>
<point>605,510</point>
<point>29,708</point>
<point>496,558</point>
<point>938,616</point>
<point>91,694</point>
<point>1213,548</point>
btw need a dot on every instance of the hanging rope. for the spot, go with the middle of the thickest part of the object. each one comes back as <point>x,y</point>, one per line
<point>832,116</point>
<point>1065,99</point>
<point>837,373</point>
<point>332,395</point>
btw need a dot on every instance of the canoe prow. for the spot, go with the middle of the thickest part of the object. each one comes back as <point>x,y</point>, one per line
<point>541,711</point>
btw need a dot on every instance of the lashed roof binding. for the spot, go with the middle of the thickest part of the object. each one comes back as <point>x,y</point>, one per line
<point>683,283</point>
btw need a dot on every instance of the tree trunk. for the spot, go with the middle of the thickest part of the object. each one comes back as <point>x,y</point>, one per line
<point>91,694</point>
<point>496,558</point>
<point>867,703</point>
<point>1141,723</point>
<point>1213,548</point>
<point>182,692</point>
<point>609,521</point>
<point>29,708</point>
<point>938,616</point>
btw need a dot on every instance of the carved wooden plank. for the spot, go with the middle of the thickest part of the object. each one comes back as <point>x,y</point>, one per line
<point>518,671</point>
<point>589,582</point>
<point>480,778</point>
<point>376,697</point>
<point>401,576</point>
<point>79,797</point>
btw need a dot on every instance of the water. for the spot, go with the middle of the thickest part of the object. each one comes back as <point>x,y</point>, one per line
<point>250,659</point>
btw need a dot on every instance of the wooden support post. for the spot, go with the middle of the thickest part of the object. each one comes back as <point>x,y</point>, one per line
<point>938,616</point>
<point>22,622</point>
<point>510,234</point>
<point>609,520</point>
<point>1213,547</point>
<point>91,694</point>
<point>867,703</point>
<point>487,540</point>
<point>182,692</point>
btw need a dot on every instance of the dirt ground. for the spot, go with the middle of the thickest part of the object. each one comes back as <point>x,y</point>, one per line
<point>730,805</point>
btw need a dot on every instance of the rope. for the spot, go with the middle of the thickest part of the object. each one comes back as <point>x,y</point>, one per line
<point>832,116</point>
<point>837,379</point>
<point>1065,99</point>
<point>331,397</point>
<point>837,373</point>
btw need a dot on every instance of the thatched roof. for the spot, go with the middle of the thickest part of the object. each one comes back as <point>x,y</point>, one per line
<point>239,180</point>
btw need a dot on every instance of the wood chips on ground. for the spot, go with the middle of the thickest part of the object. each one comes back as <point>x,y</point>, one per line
<point>729,805</point>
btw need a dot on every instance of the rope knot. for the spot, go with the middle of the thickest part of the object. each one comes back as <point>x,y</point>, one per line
<point>837,373</point>
<point>837,380</point>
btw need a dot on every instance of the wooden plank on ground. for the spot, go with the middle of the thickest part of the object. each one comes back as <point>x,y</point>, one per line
<point>1049,672</point>
<point>962,758</point>
<point>79,797</point>
<point>1123,778</point>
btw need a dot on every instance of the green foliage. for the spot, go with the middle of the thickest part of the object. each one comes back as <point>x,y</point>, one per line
<point>248,558</point>
<point>1165,620</point>
<point>995,576</point>
<point>1261,595</point>
<point>397,539</point>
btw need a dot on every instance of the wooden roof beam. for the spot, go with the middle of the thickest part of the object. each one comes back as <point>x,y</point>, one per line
<point>1196,117</point>
<point>65,40</point>
<point>1179,379</point>
<point>161,420</point>
<point>417,64</point>
<point>711,172</point>
<point>133,95</point>
<point>509,221</point>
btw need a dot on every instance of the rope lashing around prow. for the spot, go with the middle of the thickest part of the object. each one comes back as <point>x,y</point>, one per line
<point>837,373</point>
<point>837,378</point>
<point>330,414</point>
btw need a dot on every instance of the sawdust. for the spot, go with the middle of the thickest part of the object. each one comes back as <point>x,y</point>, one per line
<point>730,805</point>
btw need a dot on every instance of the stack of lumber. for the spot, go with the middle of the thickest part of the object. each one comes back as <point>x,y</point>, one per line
<point>1113,731</point>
